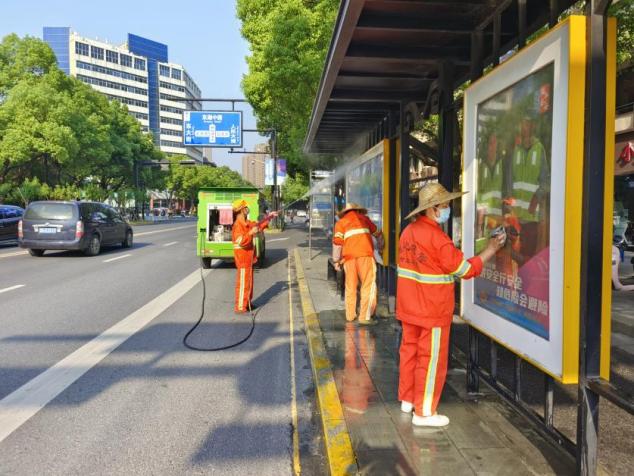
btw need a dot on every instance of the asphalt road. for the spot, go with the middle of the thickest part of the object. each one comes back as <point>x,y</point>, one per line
<point>94,378</point>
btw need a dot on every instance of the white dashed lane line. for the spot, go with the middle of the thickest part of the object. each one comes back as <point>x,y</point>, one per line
<point>161,231</point>
<point>15,253</point>
<point>11,288</point>
<point>116,258</point>
<point>170,243</point>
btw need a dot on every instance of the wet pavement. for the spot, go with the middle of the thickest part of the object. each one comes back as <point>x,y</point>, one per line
<point>485,436</point>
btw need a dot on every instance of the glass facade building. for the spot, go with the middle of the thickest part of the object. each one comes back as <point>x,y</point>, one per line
<point>129,73</point>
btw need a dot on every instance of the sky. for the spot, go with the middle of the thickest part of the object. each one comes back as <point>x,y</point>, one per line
<point>202,35</point>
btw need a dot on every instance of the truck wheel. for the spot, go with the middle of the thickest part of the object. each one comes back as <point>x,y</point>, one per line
<point>206,263</point>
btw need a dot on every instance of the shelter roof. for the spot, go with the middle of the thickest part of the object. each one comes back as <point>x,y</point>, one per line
<point>387,52</point>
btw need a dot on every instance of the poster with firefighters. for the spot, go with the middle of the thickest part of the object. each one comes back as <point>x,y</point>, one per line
<point>513,180</point>
<point>523,171</point>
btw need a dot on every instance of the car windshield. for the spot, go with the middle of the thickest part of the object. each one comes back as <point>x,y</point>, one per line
<point>50,211</point>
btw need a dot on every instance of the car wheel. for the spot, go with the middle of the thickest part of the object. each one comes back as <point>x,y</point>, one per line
<point>128,242</point>
<point>37,253</point>
<point>94,246</point>
<point>206,263</point>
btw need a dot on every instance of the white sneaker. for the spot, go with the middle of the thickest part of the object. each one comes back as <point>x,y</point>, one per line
<point>407,407</point>
<point>434,420</point>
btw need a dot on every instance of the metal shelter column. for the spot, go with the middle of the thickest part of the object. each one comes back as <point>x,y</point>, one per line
<point>404,156</point>
<point>592,237</point>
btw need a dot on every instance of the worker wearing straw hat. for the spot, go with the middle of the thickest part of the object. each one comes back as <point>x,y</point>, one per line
<point>428,263</point>
<point>353,247</point>
<point>242,233</point>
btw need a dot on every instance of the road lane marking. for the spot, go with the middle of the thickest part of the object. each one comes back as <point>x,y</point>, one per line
<point>11,288</point>
<point>116,258</point>
<point>277,239</point>
<point>20,405</point>
<point>161,231</point>
<point>296,461</point>
<point>170,243</point>
<point>15,253</point>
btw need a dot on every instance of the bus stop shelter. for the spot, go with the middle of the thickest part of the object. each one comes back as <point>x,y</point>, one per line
<point>393,62</point>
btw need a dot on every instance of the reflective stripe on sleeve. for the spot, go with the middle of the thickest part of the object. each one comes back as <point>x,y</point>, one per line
<point>527,187</point>
<point>339,235</point>
<point>463,269</point>
<point>424,278</point>
<point>358,231</point>
<point>489,195</point>
<point>522,204</point>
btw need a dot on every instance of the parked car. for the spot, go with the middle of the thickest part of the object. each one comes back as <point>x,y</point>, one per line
<point>9,218</point>
<point>84,226</point>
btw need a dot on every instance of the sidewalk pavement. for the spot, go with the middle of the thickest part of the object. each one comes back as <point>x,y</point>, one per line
<point>485,436</point>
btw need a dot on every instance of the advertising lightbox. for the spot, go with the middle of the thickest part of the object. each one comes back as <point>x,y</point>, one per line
<point>523,165</point>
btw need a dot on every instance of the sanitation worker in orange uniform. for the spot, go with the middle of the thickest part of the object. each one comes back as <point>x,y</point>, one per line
<point>242,233</point>
<point>427,266</point>
<point>353,247</point>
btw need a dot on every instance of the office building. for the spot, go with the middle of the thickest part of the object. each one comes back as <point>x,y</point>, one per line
<point>137,73</point>
<point>253,166</point>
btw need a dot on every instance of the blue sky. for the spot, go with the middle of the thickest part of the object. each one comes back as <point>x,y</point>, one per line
<point>202,35</point>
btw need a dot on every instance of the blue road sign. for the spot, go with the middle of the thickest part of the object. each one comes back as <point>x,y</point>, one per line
<point>212,128</point>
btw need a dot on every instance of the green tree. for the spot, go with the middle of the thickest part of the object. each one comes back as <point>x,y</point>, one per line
<point>23,58</point>
<point>184,181</point>
<point>63,133</point>
<point>288,41</point>
<point>294,188</point>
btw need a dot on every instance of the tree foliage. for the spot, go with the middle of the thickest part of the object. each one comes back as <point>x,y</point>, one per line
<point>184,181</point>
<point>288,41</point>
<point>58,136</point>
<point>294,188</point>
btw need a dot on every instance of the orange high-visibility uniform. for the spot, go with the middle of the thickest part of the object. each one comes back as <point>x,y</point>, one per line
<point>428,264</point>
<point>354,233</point>
<point>244,257</point>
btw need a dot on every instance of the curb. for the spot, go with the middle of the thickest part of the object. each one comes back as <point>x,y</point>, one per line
<point>341,459</point>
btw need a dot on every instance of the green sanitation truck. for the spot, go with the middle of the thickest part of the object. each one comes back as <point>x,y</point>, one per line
<point>215,219</point>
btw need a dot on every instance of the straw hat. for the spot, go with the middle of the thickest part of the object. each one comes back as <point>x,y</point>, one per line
<point>352,206</point>
<point>431,195</point>
<point>239,204</point>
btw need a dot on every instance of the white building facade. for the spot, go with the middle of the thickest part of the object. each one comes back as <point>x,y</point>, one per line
<point>137,73</point>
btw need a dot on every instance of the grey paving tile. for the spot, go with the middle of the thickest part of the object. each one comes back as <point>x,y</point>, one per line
<point>523,440</point>
<point>467,429</point>
<point>374,434</point>
<point>434,453</point>
<point>496,461</point>
<point>385,462</point>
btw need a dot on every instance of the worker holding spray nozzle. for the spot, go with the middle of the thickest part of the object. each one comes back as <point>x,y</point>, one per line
<point>242,234</point>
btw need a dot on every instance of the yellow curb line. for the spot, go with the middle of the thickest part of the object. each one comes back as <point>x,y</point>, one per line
<point>341,459</point>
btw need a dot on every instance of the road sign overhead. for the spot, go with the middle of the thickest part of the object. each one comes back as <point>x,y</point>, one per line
<point>212,128</point>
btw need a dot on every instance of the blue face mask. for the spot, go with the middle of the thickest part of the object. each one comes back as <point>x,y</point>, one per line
<point>444,215</point>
